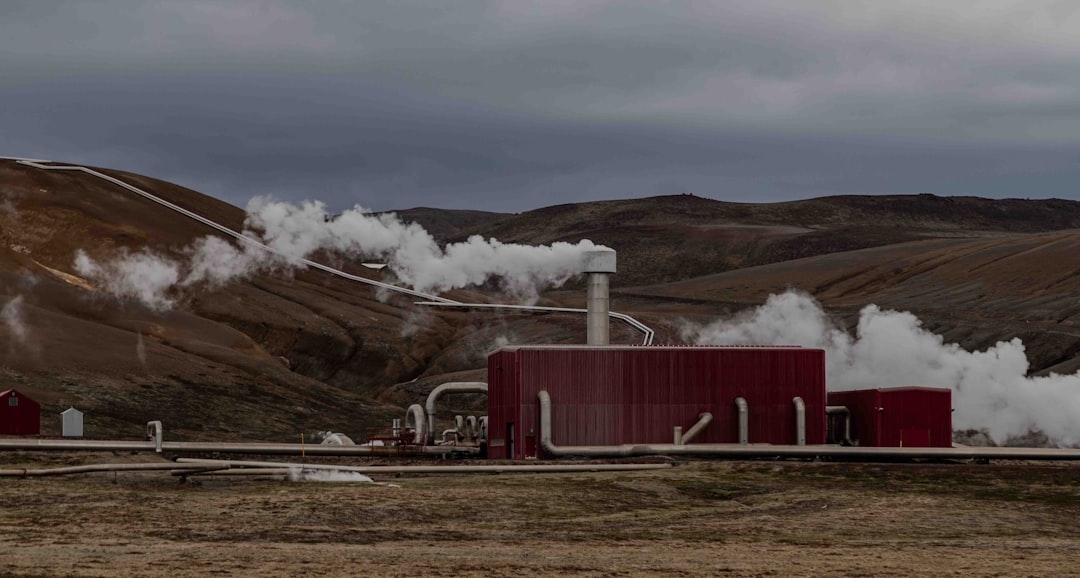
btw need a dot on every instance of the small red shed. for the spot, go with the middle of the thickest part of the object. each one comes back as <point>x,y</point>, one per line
<point>610,395</point>
<point>19,415</point>
<point>895,417</point>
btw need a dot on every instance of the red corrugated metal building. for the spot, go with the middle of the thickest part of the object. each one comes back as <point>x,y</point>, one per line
<point>19,415</point>
<point>895,417</point>
<point>614,395</point>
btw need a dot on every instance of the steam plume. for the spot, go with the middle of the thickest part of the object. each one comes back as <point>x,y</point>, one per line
<point>297,231</point>
<point>12,316</point>
<point>891,348</point>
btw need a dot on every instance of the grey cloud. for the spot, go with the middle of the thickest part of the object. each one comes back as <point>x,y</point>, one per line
<point>513,105</point>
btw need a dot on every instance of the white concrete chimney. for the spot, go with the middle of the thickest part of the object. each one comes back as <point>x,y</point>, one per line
<point>598,265</point>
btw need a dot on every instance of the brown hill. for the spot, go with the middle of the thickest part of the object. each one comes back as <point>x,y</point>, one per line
<point>664,239</point>
<point>284,353</point>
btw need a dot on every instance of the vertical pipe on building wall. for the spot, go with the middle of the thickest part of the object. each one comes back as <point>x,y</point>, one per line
<point>800,421</point>
<point>744,420</point>
<point>678,435</point>
<point>598,265</point>
<point>704,419</point>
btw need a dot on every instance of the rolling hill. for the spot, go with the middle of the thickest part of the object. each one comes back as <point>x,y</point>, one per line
<point>292,351</point>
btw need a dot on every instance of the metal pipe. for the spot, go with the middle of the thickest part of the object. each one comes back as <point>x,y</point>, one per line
<point>704,419</point>
<point>230,448</point>
<point>450,387</point>
<point>791,451</point>
<point>154,431</point>
<point>89,468</point>
<point>470,427</point>
<point>232,233</point>
<point>800,421</point>
<point>844,411</point>
<point>678,435</point>
<point>483,423</point>
<point>744,420</point>
<point>419,422</point>
<point>487,468</point>
<point>598,265</point>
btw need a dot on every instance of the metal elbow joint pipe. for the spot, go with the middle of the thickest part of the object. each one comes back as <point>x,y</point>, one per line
<point>800,421</point>
<point>704,419</point>
<point>415,415</point>
<point>744,420</point>
<point>451,387</point>
<point>154,431</point>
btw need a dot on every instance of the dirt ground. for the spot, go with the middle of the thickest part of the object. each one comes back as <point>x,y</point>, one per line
<point>696,519</point>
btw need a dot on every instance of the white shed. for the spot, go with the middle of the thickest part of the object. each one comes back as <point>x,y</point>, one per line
<point>73,423</point>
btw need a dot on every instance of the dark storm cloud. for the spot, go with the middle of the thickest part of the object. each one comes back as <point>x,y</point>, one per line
<point>513,105</point>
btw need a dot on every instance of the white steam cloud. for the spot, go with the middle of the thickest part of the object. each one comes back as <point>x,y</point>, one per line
<point>12,316</point>
<point>298,231</point>
<point>300,475</point>
<point>991,388</point>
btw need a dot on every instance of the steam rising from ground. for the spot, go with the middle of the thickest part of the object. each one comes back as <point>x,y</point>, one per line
<point>298,231</point>
<point>298,475</point>
<point>991,389</point>
<point>12,317</point>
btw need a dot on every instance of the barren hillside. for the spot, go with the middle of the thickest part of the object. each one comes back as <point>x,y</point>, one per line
<point>291,351</point>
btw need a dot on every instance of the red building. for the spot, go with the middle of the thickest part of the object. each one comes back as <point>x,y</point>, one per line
<point>19,415</point>
<point>895,417</point>
<point>611,395</point>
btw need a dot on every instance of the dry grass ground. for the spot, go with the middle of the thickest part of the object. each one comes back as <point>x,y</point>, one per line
<point>697,519</point>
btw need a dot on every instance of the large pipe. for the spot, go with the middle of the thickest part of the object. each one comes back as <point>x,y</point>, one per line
<point>415,413</point>
<point>450,387</point>
<point>844,411</point>
<point>800,421</point>
<point>229,448</point>
<point>89,468</point>
<point>154,431</point>
<point>790,451</point>
<point>598,266</point>
<point>492,468</point>
<point>704,419</point>
<point>744,420</point>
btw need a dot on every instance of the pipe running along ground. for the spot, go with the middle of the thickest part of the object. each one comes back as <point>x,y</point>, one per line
<point>428,298</point>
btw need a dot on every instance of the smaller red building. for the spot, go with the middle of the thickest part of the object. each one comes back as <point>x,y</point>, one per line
<point>19,415</point>
<point>895,417</point>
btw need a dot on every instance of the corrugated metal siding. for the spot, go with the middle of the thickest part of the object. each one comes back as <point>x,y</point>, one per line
<point>865,417</point>
<point>22,419</point>
<point>618,395</point>
<point>896,417</point>
<point>916,417</point>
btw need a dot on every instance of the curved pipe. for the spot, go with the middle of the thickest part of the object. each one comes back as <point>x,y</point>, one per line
<point>744,420</point>
<point>483,424</point>
<point>154,431</point>
<point>800,421</point>
<point>844,411</point>
<point>470,427</point>
<point>451,387</point>
<point>419,422</point>
<point>704,419</point>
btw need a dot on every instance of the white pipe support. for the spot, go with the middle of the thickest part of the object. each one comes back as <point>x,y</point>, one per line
<point>154,431</point>
<point>800,421</point>
<point>450,387</point>
<point>704,419</point>
<point>678,435</point>
<point>744,420</point>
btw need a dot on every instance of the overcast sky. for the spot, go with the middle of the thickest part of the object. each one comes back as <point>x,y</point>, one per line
<point>514,105</point>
